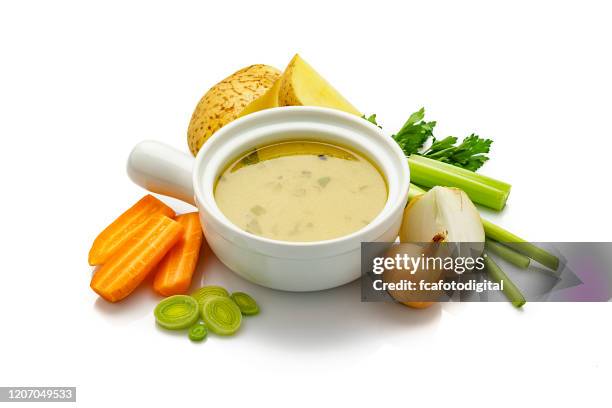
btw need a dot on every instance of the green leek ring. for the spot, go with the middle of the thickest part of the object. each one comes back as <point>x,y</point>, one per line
<point>205,291</point>
<point>176,312</point>
<point>221,315</point>
<point>246,303</point>
<point>198,332</point>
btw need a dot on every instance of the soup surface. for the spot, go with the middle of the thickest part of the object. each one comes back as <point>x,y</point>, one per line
<point>301,191</point>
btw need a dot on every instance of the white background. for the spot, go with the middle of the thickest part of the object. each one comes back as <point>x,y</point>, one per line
<point>81,83</point>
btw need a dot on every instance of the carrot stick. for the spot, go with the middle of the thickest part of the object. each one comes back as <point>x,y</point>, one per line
<point>120,230</point>
<point>136,258</point>
<point>173,274</point>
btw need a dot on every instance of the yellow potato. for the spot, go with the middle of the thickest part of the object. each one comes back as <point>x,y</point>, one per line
<point>225,101</point>
<point>265,101</point>
<point>301,85</point>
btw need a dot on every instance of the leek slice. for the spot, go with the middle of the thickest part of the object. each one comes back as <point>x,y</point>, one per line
<point>246,303</point>
<point>221,315</point>
<point>198,332</point>
<point>205,291</point>
<point>176,312</point>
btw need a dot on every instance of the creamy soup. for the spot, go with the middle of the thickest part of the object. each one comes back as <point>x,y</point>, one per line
<point>301,191</point>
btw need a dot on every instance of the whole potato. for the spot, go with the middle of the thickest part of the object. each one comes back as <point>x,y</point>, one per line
<point>225,101</point>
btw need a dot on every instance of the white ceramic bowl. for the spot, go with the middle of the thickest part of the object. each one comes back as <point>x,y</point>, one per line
<point>293,266</point>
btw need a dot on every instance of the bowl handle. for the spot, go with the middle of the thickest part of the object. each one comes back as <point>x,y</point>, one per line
<point>162,169</point>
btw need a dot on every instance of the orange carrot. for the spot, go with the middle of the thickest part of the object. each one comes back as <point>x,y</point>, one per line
<point>136,258</point>
<point>120,230</point>
<point>173,274</point>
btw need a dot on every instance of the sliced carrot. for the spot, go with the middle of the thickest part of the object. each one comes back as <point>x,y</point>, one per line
<point>136,258</point>
<point>173,274</point>
<point>120,230</point>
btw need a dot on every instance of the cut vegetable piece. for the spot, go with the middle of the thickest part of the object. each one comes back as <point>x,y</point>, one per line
<point>206,291</point>
<point>301,85</point>
<point>520,245</point>
<point>198,332</point>
<point>226,100</point>
<point>124,227</point>
<point>513,293</point>
<point>173,274</point>
<point>221,315</point>
<point>481,189</point>
<point>177,312</point>
<point>499,234</point>
<point>246,303</point>
<point>469,174</point>
<point>136,258</point>
<point>266,101</point>
<point>507,254</point>
<point>443,214</point>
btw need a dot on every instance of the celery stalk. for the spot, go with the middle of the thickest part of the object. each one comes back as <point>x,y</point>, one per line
<point>520,245</point>
<point>414,191</point>
<point>499,234</point>
<point>472,175</point>
<point>507,253</point>
<point>512,292</point>
<point>481,189</point>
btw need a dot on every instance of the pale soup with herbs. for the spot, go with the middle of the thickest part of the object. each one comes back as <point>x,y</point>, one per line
<point>301,191</point>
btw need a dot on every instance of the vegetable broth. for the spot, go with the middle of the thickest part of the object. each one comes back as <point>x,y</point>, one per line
<point>301,191</point>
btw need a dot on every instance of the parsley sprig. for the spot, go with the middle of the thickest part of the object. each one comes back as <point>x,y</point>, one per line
<point>470,154</point>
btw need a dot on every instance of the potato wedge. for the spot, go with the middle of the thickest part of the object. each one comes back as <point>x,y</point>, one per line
<point>265,101</point>
<point>225,101</point>
<point>301,85</point>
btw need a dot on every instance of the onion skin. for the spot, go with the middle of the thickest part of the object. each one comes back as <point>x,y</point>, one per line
<point>416,299</point>
<point>418,305</point>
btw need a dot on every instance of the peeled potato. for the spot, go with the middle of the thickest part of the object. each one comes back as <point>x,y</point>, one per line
<point>225,101</point>
<point>301,85</point>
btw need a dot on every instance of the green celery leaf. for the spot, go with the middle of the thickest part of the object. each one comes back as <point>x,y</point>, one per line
<point>371,119</point>
<point>470,154</point>
<point>415,132</point>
